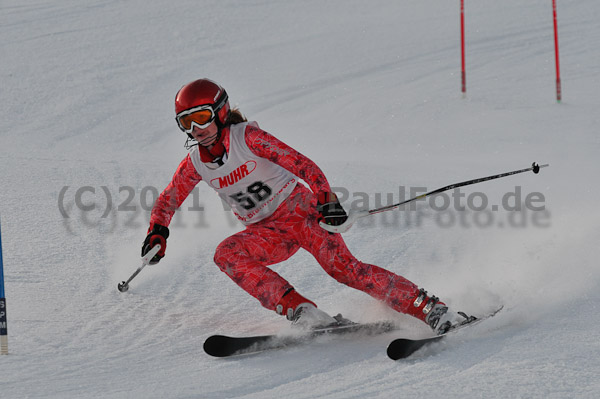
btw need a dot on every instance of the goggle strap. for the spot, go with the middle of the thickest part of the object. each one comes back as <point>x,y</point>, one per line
<point>221,101</point>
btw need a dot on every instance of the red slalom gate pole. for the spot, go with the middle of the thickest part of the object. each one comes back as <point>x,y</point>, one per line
<point>463,74</point>
<point>558,87</point>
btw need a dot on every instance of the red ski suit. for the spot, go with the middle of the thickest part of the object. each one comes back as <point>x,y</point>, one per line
<point>245,256</point>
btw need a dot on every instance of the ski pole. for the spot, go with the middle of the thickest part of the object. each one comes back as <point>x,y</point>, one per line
<point>355,215</point>
<point>124,286</point>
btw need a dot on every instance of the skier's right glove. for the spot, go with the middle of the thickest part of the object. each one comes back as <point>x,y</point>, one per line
<point>157,234</point>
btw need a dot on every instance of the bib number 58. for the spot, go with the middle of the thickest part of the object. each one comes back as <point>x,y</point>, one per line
<point>255,193</point>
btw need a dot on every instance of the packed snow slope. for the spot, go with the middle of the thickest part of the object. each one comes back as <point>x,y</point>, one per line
<point>371,92</point>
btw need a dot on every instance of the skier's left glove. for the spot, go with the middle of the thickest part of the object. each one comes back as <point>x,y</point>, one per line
<point>330,209</point>
<point>156,235</point>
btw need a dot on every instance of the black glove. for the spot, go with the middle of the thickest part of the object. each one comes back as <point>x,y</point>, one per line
<point>157,235</point>
<point>330,209</point>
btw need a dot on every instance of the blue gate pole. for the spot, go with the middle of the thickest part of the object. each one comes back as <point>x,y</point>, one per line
<point>3,329</point>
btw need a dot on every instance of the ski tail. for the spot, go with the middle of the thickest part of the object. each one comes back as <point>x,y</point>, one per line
<point>471,321</point>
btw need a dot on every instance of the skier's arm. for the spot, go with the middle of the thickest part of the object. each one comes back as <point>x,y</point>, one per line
<point>266,146</point>
<point>184,180</point>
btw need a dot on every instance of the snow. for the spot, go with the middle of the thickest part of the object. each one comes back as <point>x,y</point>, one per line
<point>371,92</point>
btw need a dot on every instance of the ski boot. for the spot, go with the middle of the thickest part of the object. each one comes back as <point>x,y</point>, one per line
<point>302,312</point>
<point>437,315</point>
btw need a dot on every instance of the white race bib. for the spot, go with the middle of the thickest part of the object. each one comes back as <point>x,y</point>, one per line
<point>254,187</point>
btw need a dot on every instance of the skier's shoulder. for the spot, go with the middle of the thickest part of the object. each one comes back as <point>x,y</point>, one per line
<point>246,128</point>
<point>251,133</point>
<point>187,160</point>
<point>254,135</point>
<point>187,168</point>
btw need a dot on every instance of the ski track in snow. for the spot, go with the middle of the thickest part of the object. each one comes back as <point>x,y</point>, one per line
<point>370,91</point>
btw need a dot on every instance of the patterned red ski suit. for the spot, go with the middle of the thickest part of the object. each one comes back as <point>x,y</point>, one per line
<point>244,256</point>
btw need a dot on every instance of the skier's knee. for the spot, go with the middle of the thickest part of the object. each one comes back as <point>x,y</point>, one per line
<point>349,274</point>
<point>227,251</point>
<point>339,275</point>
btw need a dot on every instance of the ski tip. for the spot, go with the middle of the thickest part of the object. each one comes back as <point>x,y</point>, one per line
<point>402,348</point>
<point>217,346</point>
<point>399,349</point>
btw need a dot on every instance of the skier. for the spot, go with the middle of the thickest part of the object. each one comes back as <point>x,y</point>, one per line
<point>258,176</point>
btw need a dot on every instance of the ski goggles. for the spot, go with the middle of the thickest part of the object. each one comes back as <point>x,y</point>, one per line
<point>201,116</point>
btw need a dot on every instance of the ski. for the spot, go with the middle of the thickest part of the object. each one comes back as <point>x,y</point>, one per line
<point>225,346</point>
<point>402,348</point>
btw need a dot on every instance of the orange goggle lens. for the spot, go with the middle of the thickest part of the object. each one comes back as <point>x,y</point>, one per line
<point>201,117</point>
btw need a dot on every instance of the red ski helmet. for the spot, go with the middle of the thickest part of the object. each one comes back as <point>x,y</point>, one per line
<point>203,92</point>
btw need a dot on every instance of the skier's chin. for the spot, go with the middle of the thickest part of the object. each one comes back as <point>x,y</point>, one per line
<point>207,142</point>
